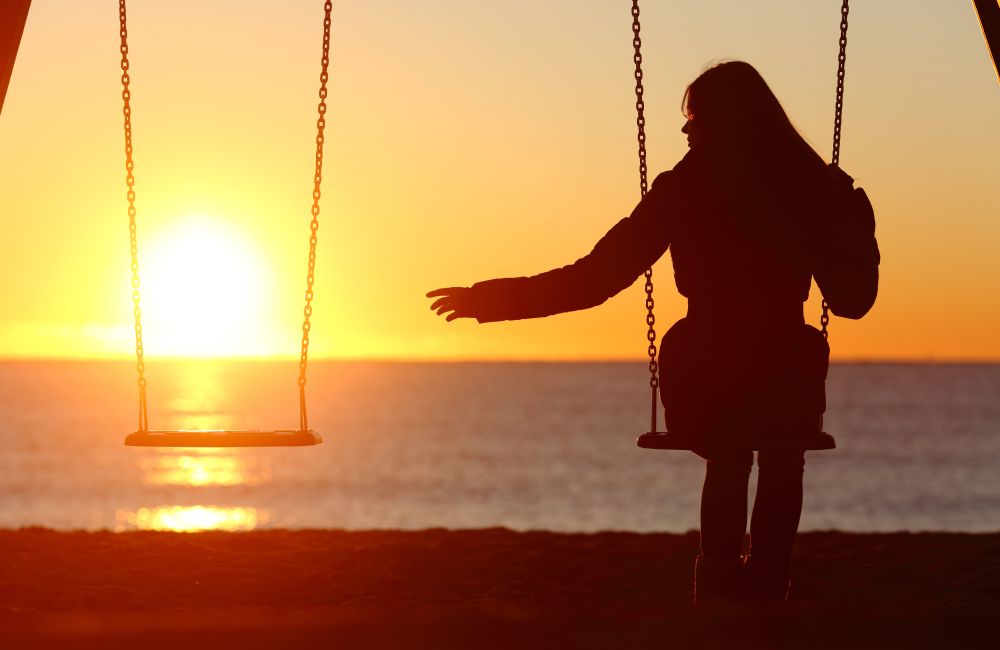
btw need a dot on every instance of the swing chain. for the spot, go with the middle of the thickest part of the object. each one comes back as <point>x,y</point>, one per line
<point>130,195</point>
<point>824,319</point>
<point>640,105</point>
<point>640,122</point>
<point>841,65</point>
<point>314,224</point>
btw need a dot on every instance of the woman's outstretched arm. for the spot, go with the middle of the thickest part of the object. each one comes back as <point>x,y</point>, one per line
<point>628,249</point>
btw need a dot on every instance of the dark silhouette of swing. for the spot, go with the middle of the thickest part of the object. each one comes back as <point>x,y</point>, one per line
<point>688,440</point>
<point>302,436</point>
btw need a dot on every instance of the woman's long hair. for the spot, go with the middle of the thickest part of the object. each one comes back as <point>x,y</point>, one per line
<point>740,113</point>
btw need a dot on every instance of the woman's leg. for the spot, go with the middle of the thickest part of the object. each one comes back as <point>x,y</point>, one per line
<point>775,521</point>
<point>724,504</point>
<point>723,526</point>
<point>778,504</point>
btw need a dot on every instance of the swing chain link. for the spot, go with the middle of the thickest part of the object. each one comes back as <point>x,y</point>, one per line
<point>824,319</point>
<point>130,196</point>
<point>314,224</point>
<point>640,122</point>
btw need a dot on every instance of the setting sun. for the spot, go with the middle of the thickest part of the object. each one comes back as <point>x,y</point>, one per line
<point>205,291</point>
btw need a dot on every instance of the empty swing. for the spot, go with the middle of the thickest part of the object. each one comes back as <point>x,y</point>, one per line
<point>688,440</point>
<point>145,437</point>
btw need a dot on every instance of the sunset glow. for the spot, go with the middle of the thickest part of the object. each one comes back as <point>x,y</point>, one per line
<point>506,149</point>
<point>389,324</point>
<point>204,292</point>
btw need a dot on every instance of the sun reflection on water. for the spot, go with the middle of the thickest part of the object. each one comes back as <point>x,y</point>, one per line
<point>200,398</point>
<point>190,519</point>
<point>206,467</point>
<point>199,403</point>
<point>201,421</point>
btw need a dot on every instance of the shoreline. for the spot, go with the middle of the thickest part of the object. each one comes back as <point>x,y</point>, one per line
<point>433,587</point>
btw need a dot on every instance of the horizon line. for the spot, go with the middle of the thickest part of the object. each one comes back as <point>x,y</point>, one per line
<point>446,360</point>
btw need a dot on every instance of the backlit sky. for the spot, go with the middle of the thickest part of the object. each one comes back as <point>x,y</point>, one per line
<point>466,140</point>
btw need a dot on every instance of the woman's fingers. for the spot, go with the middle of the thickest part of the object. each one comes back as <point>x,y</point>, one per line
<point>447,291</point>
<point>440,302</point>
<point>448,300</point>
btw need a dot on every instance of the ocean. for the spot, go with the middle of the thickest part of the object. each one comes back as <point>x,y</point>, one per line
<point>466,445</point>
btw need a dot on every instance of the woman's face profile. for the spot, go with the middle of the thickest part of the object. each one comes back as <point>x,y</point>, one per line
<point>694,131</point>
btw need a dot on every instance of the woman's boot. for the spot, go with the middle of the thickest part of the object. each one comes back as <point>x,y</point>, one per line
<point>717,580</point>
<point>766,579</point>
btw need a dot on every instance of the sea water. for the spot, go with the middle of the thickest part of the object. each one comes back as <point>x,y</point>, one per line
<point>458,445</point>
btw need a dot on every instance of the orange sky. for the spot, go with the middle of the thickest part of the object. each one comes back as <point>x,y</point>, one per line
<point>466,141</point>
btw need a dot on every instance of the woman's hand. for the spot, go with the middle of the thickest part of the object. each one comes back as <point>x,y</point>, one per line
<point>449,300</point>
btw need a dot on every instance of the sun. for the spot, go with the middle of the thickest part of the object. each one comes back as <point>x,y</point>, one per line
<point>205,292</point>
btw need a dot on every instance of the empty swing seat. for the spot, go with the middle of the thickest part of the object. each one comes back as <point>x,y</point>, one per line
<point>815,441</point>
<point>220,438</point>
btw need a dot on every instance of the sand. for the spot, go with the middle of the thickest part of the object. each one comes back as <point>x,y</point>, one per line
<point>480,588</point>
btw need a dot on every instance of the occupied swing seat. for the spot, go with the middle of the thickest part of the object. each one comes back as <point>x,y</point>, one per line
<point>764,389</point>
<point>817,441</point>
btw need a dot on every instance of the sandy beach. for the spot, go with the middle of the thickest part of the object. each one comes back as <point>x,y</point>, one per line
<point>479,588</point>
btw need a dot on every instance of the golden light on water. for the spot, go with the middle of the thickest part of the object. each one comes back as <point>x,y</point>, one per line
<point>190,519</point>
<point>202,422</point>
<point>201,398</point>
<point>207,468</point>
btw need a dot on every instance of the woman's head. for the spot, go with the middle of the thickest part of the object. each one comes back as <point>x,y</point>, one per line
<point>731,106</point>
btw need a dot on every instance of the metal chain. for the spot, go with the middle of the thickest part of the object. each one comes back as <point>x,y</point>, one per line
<point>130,195</point>
<point>824,319</point>
<point>841,66</point>
<point>640,122</point>
<point>314,225</point>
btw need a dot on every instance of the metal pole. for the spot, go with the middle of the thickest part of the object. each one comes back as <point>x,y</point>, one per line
<point>989,19</point>
<point>13,15</point>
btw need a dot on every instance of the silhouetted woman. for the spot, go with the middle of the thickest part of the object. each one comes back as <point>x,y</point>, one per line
<point>739,215</point>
